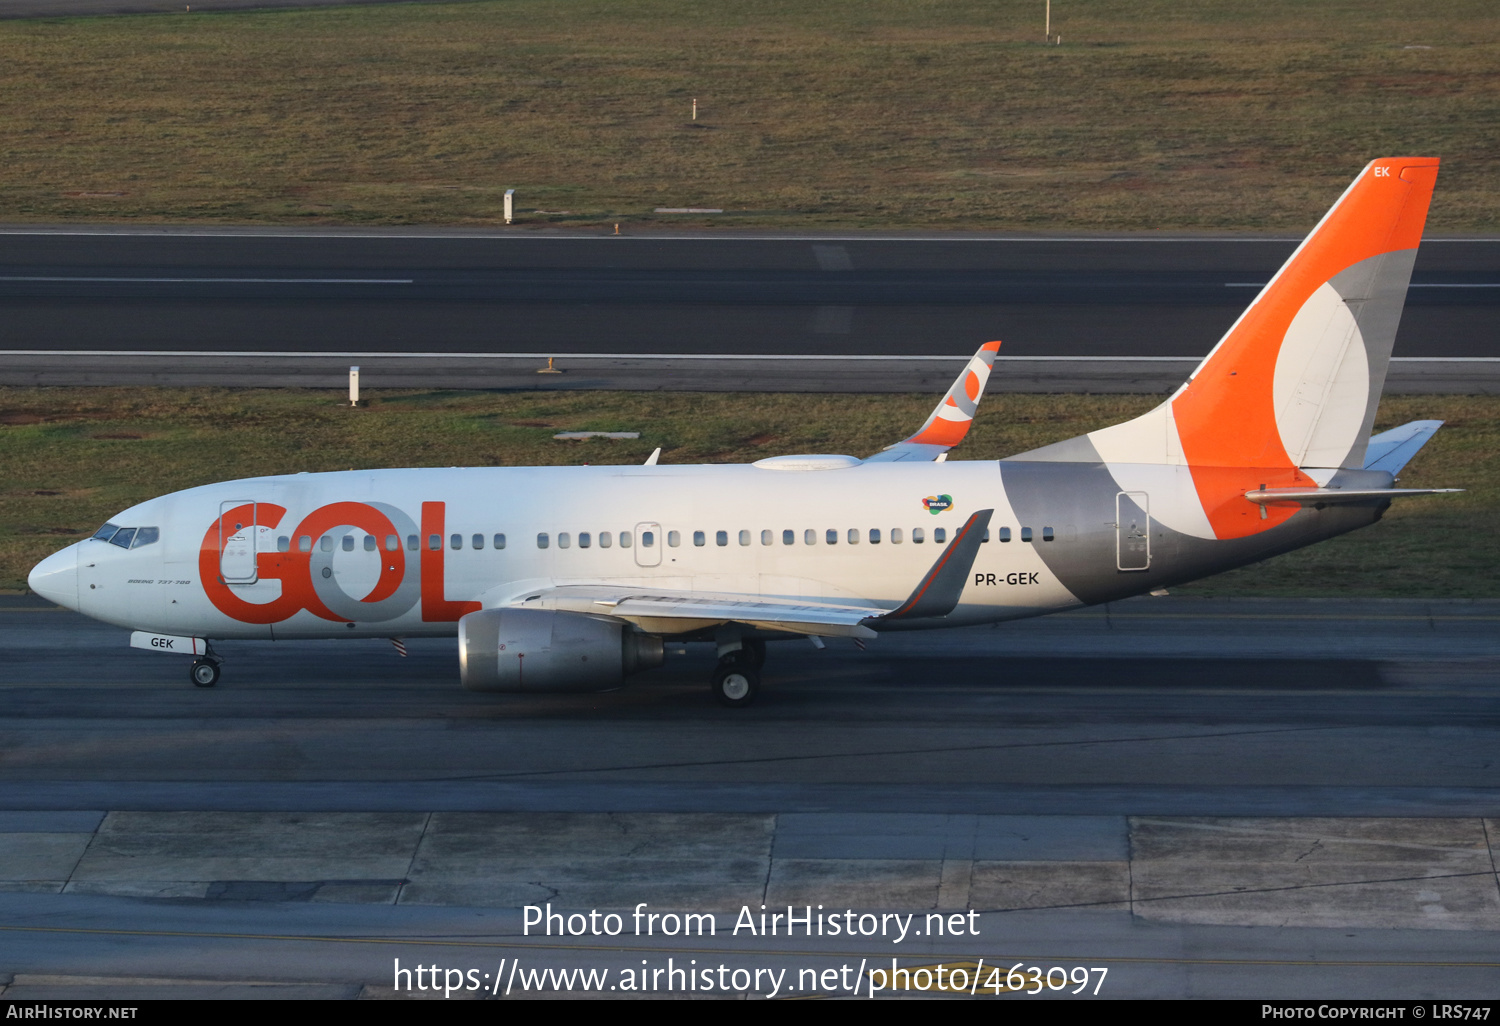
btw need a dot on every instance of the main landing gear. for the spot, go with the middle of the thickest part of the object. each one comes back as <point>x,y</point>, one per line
<point>205,670</point>
<point>737,677</point>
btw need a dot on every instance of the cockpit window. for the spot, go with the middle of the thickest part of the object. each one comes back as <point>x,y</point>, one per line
<point>127,537</point>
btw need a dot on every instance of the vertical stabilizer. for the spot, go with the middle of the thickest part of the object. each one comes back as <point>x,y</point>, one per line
<point>1298,376</point>
<point>1294,384</point>
<point>1296,381</point>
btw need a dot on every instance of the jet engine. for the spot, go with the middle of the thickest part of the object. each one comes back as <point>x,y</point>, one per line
<point>543,650</point>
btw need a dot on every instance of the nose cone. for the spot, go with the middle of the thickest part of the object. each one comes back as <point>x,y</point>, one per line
<point>56,578</point>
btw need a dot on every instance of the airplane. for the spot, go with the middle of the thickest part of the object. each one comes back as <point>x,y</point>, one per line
<point>558,579</point>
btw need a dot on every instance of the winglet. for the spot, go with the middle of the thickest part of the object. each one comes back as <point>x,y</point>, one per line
<point>939,591</point>
<point>950,421</point>
<point>655,455</point>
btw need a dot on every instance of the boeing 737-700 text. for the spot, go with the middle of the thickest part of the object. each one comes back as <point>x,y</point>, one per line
<point>570,578</point>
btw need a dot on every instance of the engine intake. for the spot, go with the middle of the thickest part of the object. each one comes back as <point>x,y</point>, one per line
<point>543,650</point>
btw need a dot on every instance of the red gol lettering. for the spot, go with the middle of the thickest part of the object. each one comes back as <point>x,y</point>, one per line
<point>293,568</point>
<point>435,608</point>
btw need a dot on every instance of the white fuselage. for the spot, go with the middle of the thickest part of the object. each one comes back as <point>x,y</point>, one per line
<point>393,553</point>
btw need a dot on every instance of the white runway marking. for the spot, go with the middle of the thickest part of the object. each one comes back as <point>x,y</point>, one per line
<point>216,281</point>
<point>840,357</point>
<point>1413,285</point>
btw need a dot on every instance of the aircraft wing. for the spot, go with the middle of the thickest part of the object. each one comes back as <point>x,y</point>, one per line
<point>661,611</point>
<point>948,424</point>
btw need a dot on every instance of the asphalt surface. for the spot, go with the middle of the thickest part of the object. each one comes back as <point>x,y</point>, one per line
<point>1161,706</point>
<point>880,778</point>
<point>528,293</point>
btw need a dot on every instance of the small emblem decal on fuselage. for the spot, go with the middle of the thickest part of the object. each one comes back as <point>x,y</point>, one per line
<point>935,504</point>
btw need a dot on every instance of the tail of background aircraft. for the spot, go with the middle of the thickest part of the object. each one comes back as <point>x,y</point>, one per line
<point>1293,387</point>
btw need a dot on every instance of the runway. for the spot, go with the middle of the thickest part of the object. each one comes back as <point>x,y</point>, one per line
<point>1268,798</point>
<point>1112,313</point>
<point>1162,697</point>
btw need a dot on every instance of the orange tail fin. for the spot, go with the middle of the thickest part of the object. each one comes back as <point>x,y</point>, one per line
<point>1296,381</point>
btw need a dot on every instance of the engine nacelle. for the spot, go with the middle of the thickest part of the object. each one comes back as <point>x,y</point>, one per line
<point>544,650</point>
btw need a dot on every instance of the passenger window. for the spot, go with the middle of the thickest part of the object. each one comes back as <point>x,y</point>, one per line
<point>853,536</point>
<point>744,537</point>
<point>584,540</point>
<point>370,543</point>
<point>895,536</point>
<point>541,540</point>
<point>1046,534</point>
<point>698,538</point>
<point>434,543</point>
<point>625,539</point>
<point>1005,534</point>
<point>325,542</point>
<point>455,541</point>
<point>917,537</point>
<point>347,543</point>
<point>874,536</point>
<point>674,539</point>
<point>939,535</point>
<point>809,537</point>
<point>499,541</point>
<point>767,537</point>
<point>564,539</point>
<point>1026,534</point>
<point>392,543</point>
<point>789,537</point>
<point>145,536</point>
<point>283,544</point>
<point>648,539</point>
<point>123,537</point>
<point>605,539</point>
<point>831,536</point>
<point>477,541</point>
<point>304,543</point>
<point>721,538</point>
<point>985,536</point>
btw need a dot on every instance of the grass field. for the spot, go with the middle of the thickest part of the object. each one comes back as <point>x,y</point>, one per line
<point>848,114</point>
<point>75,457</point>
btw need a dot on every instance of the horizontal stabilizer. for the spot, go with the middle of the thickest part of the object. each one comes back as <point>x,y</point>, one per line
<point>1391,450</point>
<point>1335,496</point>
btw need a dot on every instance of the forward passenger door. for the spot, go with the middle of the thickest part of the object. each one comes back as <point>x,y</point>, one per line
<point>648,542</point>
